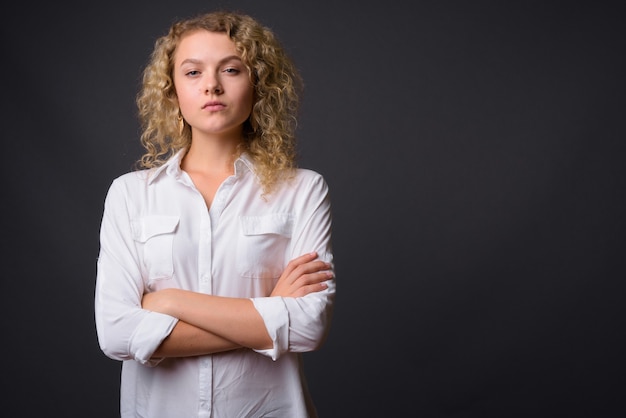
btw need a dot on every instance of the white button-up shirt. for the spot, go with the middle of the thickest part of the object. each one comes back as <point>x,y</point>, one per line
<point>157,233</point>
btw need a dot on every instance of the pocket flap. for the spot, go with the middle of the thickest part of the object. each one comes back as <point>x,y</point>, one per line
<point>276,223</point>
<point>147,227</point>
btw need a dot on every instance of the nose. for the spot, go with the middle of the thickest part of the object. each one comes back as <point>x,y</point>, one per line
<point>213,86</point>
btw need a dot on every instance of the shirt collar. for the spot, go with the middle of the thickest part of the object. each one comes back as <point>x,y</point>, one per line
<point>172,166</point>
<point>244,163</point>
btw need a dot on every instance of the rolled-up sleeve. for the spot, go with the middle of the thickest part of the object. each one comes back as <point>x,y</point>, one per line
<point>302,324</point>
<point>125,330</point>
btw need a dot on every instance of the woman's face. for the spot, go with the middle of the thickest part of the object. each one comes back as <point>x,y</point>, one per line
<point>214,91</point>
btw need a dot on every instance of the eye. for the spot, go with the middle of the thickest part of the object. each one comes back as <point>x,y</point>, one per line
<point>231,70</point>
<point>192,73</point>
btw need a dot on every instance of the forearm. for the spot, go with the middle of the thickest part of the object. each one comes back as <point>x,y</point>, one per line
<point>235,320</point>
<point>186,340</point>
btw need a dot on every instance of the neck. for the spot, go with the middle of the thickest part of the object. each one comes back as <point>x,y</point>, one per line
<point>211,155</point>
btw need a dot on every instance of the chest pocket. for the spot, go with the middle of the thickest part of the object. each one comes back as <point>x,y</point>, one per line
<point>155,238</point>
<point>262,244</point>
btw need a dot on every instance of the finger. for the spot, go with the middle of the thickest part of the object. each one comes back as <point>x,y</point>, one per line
<point>313,278</point>
<point>298,261</point>
<point>301,265</point>
<point>311,288</point>
<point>312,267</point>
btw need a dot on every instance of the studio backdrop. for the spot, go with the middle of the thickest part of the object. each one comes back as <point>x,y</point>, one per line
<point>475,156</point>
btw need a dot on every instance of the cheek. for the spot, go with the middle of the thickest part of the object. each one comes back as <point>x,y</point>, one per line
<point>184,99</point>
<point>249,100</point>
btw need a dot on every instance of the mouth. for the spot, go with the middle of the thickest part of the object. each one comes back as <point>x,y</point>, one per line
<point>213,106</point>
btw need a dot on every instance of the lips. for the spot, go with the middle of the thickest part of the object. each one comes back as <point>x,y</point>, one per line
<point>213,106</point>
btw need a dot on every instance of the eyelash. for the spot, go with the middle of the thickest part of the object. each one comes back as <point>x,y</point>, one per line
<point>229,70</point>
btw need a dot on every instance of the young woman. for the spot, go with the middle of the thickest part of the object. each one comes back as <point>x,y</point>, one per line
<point>215,268</point>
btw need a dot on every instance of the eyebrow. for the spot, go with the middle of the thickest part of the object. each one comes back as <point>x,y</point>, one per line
<point>222,61</point>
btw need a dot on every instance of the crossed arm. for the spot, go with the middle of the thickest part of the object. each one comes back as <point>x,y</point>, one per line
<point>211,324</point>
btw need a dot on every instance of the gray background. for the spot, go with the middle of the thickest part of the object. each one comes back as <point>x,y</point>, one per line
<point>475,154</point>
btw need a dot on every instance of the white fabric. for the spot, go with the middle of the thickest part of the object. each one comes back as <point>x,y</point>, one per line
<point>157,233</point>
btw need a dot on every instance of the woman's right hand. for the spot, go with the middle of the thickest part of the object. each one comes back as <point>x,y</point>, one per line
<point>303,275</point>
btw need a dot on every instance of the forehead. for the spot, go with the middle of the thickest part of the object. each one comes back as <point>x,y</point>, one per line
<point>205,45</point>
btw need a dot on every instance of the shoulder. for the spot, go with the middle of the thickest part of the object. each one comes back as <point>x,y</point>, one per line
<point>130,181</point>
<point>304,178</point>
<point>134,177</point>
<point>303,182</point>
<point>308,175</point>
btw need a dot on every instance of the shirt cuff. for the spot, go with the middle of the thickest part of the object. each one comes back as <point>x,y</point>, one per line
<point>276,318</point>
<point>152,330</point>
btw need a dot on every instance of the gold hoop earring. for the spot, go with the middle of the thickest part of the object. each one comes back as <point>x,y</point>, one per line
<point>181,123</point>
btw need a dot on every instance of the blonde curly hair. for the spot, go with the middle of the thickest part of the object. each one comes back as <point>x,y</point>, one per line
<point>269,132</point>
